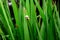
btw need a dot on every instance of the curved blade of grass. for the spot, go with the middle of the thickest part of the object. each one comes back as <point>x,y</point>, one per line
<point>20,28</point>
<point>43,16</point>
<point>50,28</point>
<point>43,32</point>
<point>56,21</point>
<point>8,14</point>
<point>57,29</point>
<point>2,8</point>
<point>28,21</point>
<point>33,20</point>
<point>40,10</point>
<point>26,32</point>
<point>57,15</point>
<point>5,26</point>
<point>15,10</point>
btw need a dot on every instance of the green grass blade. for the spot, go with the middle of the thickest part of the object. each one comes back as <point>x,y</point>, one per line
<point>8,14</point>
<point>33,20</point>
<point>4,13</point>
<point>26,32</point>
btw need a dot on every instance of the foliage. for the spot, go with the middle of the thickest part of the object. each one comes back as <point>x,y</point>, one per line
<point>27,26</point>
